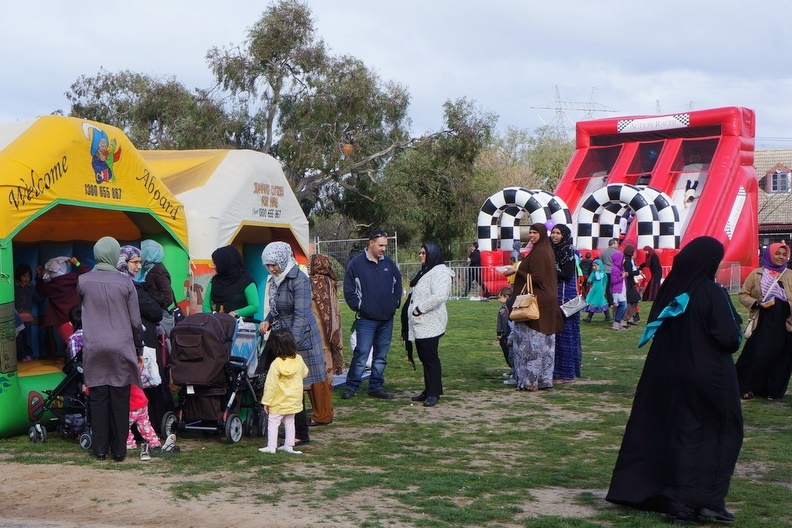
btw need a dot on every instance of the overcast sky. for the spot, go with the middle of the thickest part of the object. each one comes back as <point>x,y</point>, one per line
<point>516,58</point>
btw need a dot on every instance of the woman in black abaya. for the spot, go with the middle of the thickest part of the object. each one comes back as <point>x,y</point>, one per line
<point>685,429</point>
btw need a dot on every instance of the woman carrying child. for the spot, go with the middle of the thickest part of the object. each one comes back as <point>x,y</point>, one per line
<point>283,390</point>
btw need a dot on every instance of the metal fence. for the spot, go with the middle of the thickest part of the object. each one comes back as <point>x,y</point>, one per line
<point>340,250</point>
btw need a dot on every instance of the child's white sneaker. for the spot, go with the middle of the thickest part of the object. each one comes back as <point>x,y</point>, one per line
<point>170,443</point>
<point>289,449</point>
<point>267,449</point>
<point>145,456</point>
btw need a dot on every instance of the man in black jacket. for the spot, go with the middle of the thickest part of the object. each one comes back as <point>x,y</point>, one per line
<point>373,289</point>
<point>474,270</point>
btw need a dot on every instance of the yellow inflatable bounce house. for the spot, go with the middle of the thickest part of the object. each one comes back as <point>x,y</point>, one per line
<point>67,182</point>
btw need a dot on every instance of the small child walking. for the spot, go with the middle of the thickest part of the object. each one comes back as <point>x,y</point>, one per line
<point>503,329</point>
<point>597,303</point>
<point>283,390</point>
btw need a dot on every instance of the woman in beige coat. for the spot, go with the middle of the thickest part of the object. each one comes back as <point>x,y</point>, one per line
<point>765,363</point>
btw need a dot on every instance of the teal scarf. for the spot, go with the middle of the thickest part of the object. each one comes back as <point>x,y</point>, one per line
<point>675,308</point>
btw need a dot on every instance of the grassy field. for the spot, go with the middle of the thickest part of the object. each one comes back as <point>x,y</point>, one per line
<point>487,455</point>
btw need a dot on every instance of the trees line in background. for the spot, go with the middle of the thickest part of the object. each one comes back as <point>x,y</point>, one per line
<point>340,132</point>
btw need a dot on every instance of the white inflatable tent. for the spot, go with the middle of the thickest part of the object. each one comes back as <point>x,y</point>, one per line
<point>230,197</point>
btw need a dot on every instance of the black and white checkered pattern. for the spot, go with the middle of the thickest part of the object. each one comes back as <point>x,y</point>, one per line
<point>646,124</point>
<point>502,214</point>
<point>655,213</point>
<point>668,216</point>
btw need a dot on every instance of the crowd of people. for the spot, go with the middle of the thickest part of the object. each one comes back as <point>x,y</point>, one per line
<point>684,433</point>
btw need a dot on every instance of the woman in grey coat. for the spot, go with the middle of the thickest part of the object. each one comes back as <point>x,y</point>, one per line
<point>112,348</point>
<point>427,318</point>
<point>289,292</point>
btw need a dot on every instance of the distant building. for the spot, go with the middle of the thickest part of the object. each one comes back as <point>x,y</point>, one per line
<point>775,195</point>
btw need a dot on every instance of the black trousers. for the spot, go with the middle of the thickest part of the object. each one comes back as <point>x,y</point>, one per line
<point>428,354</point>
<point>109,408</point>
<point>301,424</point>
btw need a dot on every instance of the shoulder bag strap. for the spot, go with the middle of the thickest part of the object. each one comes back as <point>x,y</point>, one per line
<point>778,278</point>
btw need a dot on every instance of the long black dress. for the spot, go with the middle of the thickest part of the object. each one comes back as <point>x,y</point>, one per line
<point>685,429</point>
<point>765,365</point>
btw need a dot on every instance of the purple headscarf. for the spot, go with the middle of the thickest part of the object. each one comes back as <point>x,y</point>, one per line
<point>769,252</point>
<point>126,254</point>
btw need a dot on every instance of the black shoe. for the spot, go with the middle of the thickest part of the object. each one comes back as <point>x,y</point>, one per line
<point>119,458</point>
<point>419,397</point>
<point>101,457</point>
<point>685,519</point>
<point>347,394</point>
<point>381,394</point>
<point>587,320</point>
<point>723,515</point>
<point>430,401</point>
<point>637,317</point>
<point>316,424</point>
<point>301,442</point>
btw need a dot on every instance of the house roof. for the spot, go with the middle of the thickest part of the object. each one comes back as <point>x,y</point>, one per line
<point>775,209</point>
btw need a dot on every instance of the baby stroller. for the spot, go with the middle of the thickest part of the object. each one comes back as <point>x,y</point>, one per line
<point>68,405</point>
<point>215,390</point>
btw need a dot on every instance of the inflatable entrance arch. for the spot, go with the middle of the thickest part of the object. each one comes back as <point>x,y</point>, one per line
<point>656,217</point>
<point>499,225</point>
<point>501,214</point>
<point>67,182</point>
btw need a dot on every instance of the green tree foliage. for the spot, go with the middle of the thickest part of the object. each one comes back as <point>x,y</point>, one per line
<point>156,113</point>
<point>330,120</point>
<point>432,186</point>
<point>338,134</point>
<point>280,57</point>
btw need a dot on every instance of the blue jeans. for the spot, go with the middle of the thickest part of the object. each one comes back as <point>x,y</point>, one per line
<point>621,309</point>
<point>370,333</point>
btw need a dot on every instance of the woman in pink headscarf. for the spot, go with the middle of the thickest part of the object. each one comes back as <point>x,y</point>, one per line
<point>765,363</point>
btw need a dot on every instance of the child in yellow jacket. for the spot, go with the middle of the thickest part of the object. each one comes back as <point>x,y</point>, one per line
<point>283,390</point>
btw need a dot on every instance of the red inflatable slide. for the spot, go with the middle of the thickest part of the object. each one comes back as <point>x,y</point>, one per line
<point>657,181</point>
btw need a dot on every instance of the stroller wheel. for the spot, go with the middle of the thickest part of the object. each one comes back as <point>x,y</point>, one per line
<point>169,424</point>
<point>250,423</point>
<point>233,428</point>
<point>261,424</point>
<point>37,433</point>
<point>86,440</point>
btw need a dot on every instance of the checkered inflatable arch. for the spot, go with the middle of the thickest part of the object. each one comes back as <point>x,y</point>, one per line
<point>655,213</point>
<point>501,215</point>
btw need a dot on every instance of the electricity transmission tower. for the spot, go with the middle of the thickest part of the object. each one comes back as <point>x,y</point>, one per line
<point>561,107</point>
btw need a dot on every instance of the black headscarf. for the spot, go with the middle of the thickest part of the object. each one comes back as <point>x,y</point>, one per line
<point>697,262</point>
<point>231,277</point>
<point>434,257</point>
<point>565,250</point>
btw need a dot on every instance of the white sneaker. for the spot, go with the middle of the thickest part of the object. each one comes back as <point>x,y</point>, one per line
<point>511,381</point>
<point>267,449</point>
<point>289,449</point>
<point>170,443</point>
<point>144,453</point>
